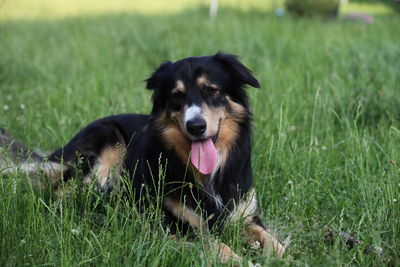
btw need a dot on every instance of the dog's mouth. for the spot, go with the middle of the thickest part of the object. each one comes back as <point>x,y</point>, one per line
<point>204,155</point>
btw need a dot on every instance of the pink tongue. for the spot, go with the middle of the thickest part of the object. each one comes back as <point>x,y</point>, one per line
<point>204,156</point>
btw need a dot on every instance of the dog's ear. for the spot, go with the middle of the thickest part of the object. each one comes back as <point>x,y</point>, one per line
<point>240,71</point>
<point>155,79</point>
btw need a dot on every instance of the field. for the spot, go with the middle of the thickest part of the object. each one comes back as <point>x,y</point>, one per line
<point>326,128</point>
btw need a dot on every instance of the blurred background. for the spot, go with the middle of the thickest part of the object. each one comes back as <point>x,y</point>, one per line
<point>31,9</point>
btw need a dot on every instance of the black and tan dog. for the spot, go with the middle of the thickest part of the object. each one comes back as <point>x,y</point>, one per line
<point>195,145</point>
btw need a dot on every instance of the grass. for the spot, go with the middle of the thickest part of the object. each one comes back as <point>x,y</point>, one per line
<point>326,131</point>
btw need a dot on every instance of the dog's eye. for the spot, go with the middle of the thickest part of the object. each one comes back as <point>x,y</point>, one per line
<point>210,90</point>
<point>178,95</point>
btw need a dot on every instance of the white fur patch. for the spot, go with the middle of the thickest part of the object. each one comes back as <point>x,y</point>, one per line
<point>192,112</point>
<point>218,201</point>
<point>217,197</point>
<point>246,208</point>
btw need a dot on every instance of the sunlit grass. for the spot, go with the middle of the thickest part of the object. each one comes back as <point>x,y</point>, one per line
<point>372,8</point>
<point>20,9</point>
<point>52,9</point>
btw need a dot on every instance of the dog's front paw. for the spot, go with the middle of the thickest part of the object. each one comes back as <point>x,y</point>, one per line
<point>276,248</point>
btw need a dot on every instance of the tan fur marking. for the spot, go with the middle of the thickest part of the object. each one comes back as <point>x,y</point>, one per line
<point>213,116</point>
<point>226,254</point>
<point>270,245</point>
<point>175,115</point>
<point>180,87</point>
<point>229,129</point>
<point>109,161</point>
<point>228,133</point>
<point>185,214</point>
<point>173,137</point>
<point>238,111</point>
<point>204,81</point>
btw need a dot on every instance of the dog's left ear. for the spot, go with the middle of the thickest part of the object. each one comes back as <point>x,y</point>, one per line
<point>154,81</point>
<point>239,70</point>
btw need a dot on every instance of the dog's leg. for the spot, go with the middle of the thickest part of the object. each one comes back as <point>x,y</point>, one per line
<point>225,253</point>
<point>187,215</point>
<point>108,167</point>
<point>97,152</point>
<point>254,230</point>
<point>14,156</point>
<point>52,173</point>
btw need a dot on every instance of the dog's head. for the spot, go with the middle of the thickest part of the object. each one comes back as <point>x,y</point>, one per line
<point>199,103</point>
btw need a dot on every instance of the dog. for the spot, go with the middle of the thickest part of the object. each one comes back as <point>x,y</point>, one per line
<point>194,146</point>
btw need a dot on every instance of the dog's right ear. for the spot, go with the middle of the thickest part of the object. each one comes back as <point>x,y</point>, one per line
<point>154,81</point>
<point>238,70</point>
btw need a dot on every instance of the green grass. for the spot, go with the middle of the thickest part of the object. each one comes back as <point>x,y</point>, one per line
<point>326,131</point>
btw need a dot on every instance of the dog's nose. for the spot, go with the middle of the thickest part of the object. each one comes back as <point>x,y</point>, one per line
<point>196,127</point>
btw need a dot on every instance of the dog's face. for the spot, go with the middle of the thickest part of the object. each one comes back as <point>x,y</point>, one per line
<point>202,97</point>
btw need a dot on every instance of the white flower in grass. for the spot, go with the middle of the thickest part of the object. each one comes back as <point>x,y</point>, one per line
<point>6,107</point>
<point>324,148</point>
<point>394,200</point>
<point>22,106</point>
<point>75,231</point>
<point>255,245</point>
<point>290,182</point>
<point>23,241</point>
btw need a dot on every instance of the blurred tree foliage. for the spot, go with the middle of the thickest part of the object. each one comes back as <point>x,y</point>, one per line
<point>311,8</point>
<point>395,4</point>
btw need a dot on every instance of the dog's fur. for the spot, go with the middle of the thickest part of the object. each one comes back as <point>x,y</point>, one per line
<point>154,150</point>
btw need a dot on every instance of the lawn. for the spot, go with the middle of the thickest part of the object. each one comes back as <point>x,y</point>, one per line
<point>326,141</point>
